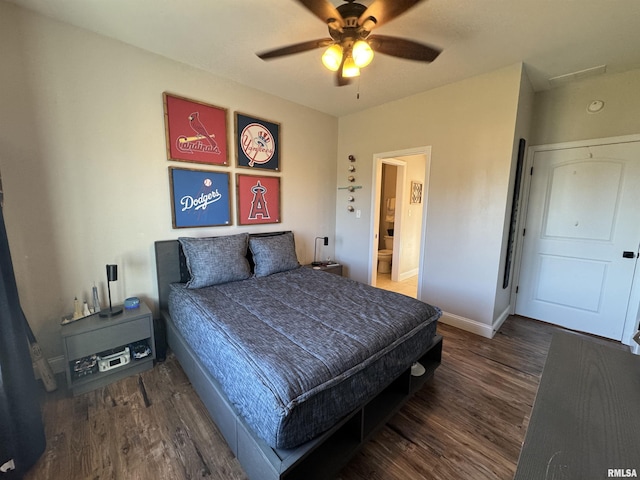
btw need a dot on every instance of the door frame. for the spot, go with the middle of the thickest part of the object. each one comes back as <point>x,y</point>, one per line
<point>392,158</point>
<point>633,309</point>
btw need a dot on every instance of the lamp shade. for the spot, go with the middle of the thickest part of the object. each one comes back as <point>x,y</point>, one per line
<point>112,276</point>
<point>350,69</point>
<point>362,54</point>
<point>112,273</point>
<point>332,57</point>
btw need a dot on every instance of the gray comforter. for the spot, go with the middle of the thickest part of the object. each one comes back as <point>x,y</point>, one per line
<point>296,351</point>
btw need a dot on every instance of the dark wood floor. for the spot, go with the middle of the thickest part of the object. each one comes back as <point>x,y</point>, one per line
<point>467,423</point>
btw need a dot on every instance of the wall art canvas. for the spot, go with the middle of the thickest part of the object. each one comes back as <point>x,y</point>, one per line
<point>199,198</point>
<point>257,142</point>
<point>258,199</point>
<point>416,192</point>
<point>195,131</point>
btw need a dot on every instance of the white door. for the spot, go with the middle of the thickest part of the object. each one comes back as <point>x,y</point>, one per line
<point>582,238</point>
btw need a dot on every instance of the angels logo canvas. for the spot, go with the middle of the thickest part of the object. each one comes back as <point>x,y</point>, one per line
<point>258,199</point>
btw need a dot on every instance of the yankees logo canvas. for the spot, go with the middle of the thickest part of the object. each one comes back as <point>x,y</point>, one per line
<point>195,131</point>
<point>199,198</point>
<point>258,199</point>
<point>257,142</point>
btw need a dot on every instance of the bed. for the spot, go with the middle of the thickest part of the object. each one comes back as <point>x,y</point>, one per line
<point>297,367</point>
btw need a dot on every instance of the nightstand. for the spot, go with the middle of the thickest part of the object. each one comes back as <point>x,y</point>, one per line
<point>93,335</point>
<point>331,268</point>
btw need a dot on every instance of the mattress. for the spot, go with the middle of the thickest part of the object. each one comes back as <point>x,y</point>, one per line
<point>296,351</point>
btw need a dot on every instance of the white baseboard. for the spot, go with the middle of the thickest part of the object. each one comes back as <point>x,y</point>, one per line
<point>497,323</point>
<point>56,364</point>
<point>473,326</point>
<point>404,275</point>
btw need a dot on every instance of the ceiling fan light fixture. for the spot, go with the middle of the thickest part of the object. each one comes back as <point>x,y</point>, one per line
<point>350,69</point>
<point>332,57</point>
<point>362,53</point>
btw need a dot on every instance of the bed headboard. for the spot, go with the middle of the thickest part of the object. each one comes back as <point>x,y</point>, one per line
<point>171,265</point>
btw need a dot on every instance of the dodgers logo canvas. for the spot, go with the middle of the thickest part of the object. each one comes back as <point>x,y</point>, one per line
<point>200,198</point>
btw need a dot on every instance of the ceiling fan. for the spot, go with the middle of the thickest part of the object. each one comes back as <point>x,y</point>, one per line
<point>351,45</point>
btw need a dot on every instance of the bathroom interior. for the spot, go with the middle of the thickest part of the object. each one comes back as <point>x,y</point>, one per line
<point>409,237</point>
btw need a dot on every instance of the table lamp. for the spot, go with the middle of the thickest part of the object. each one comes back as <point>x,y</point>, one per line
<point>112,276</point>
<point>315,263</point>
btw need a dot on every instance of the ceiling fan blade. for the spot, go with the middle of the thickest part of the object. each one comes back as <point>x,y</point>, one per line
<point>384,11</point>
<point>295,48</point>
<point>399,47</point>
<point>341,80</point>
<point>325,11</point>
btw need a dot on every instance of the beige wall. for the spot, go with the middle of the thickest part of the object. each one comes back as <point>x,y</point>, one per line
<point>470,126</point>
<point>522,130</point>
<point>84,167</point>
<point>411,238</point>
<point>560,115</point>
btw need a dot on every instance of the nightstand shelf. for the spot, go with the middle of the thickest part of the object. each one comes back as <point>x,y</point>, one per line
<point>331,268</point>
<point>94,334</point>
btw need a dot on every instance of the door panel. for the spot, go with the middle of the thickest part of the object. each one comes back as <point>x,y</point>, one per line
<point>559,274</point>
<point>583,213</point>
<point>583,200</point>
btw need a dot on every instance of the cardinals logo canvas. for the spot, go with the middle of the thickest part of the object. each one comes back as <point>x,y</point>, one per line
<point>195,131</point>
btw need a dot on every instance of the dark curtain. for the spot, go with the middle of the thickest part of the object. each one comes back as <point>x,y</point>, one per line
<point>21,430</point>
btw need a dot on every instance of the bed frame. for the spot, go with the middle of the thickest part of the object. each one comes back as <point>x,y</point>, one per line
<point>320,458</point>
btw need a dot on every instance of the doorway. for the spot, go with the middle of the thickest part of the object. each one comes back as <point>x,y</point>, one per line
<point>401,218</point>
<point>582,237</point>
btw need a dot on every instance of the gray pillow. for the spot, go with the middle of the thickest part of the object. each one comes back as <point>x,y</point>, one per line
<point>273,254</point>
<point>216,260</point>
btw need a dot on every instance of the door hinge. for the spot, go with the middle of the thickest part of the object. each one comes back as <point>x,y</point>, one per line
<point>531,171</point>
<point>517,288</point>
<point>524,232</point>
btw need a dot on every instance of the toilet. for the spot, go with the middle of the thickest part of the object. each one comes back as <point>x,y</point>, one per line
<point>385,255</point>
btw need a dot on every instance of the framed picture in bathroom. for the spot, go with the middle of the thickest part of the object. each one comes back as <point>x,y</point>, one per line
<point>416,192</point>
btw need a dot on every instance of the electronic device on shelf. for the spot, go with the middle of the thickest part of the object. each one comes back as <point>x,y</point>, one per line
<point>140,349</point>
<point>114,358</point>
<point>85,366</point>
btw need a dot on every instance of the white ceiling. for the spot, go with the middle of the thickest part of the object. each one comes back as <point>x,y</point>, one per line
<point>552,38</point>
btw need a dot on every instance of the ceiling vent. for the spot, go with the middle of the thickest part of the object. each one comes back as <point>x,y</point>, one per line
<point>579,75</point>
